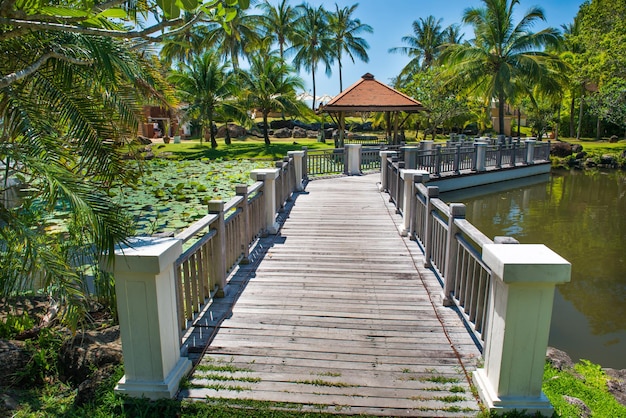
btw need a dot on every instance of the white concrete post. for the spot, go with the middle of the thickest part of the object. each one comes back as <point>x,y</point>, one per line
<point>432,193</point>
<point>268,176</point>
<point>218,249</point>
<point>410,157</point>
<point>530,151</point>
<point>427,145</point>
<point>408,203</point>
<point>481,155</point>
<point>146,303</point>
<point>353,159</point>
<point>298,159</point>
<point>384,185</point>
<point>520,311</point>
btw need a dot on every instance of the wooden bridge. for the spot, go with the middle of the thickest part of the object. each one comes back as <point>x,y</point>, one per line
<point>339,298</point>
<point>339,314</point>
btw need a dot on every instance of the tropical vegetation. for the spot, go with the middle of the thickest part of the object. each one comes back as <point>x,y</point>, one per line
<point>77,76</point>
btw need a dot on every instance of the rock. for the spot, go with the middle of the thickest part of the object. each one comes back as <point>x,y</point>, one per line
<point>235,130</point>
<point>87,390</point>
<point>8,402</point>
<point>144,140</point>
<point>89,351</point>
<point>561,149</point>
<point>608,159</point>
<point>282,133</point>
<point>149,156</point>
<point>589,162</point>
<point>613,139</point>
<point>311,134</point>
<point>581,155</point>
<point>577,148</point>
<point>583,409</point>
<point>281,124</point>
<point>617,384</point>
<point>560,360</point>
<point>328,133</point>
<point>14,356</point>
<point>299,132</point>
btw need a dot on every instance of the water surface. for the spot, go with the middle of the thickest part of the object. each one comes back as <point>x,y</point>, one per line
<point>581,216</point>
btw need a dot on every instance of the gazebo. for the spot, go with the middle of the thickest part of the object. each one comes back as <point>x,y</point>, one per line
<point>370,95</point>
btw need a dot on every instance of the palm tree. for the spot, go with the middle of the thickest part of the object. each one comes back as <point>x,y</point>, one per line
<point>205,84</point>
<point>279,22</point>
<point>236,37</point>
<point>269,85</point>
<point>182,46</point>
<point>423,46</point>
<point>344,33</point>
<point>312,42</point>
<point>502,53</point>
<point>54,122</point>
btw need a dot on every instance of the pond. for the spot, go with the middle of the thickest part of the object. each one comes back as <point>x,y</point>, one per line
<point>581,215</point>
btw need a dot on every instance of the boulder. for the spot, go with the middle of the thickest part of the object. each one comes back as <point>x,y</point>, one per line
<point>299,132</point>
<point>613,139</point>
<point>235,130</point>
<point>576,148</point>
<point>282,133</point>
<point>617,384</point>
<point>608,160</point>
<point>583,409</point>
<point>144,140</point>
<point>561,149</point>
<point>281,124</point>
<point>85,352</point>
<point>560,360</point>
<point>14,356</point>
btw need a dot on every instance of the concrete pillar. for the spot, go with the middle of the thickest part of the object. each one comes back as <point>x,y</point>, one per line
<point>427,145</point>
<point>520,310</point>
<point>408,203</point>
<point>353,159</point>
<point>146,303</point>
<point>268,176</point>
<point>530,151</point>
<point>384,185</point>
<point>298,160</point>
<point>410,157</point>
<point>218,265</point>
<point>481,154</point>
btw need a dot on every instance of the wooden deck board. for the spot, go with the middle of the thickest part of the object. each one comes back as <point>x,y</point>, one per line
<point>339,316</point>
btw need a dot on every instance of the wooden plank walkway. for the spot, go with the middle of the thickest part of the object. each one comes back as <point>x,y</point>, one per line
<point>340,316</point>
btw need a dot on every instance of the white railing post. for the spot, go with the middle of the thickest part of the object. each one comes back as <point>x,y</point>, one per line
<point>433,193</point>
<point>520,310</point>
<point>146,304</point>
<point>384,155</point>
<point>218,247</point>
<point>245,233</point>
<point>530,151</point>
<point>457,211</point>
<point>353,159</point>
<point>298,160</point>
<point>481,155</point>
<point>268,176</point>
<point>410,157</point>
<point>408,203</point>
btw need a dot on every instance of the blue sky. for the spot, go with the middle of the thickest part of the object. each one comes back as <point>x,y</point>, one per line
<point>392,19</point>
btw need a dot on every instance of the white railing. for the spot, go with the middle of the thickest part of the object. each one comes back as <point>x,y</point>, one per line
<point>503,292</point>
<point>161,289</point>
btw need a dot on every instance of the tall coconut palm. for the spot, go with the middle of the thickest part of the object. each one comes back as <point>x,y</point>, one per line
<point>345,31</point>
<point>312,42</point>
<point>270,86</point>
<point>204,84</point>
<point>235,38</point>
<point>279,22</point>
<point>182,46</point>
<point>502,52</point>
<point>423,46</point>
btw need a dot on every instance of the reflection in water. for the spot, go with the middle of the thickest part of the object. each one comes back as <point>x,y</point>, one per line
<point>580,215</point>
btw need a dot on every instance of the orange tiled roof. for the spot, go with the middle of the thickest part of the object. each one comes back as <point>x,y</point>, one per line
<point>369,94</point>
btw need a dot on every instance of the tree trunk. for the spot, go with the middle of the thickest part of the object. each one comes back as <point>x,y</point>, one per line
<point>213,141</point>
<point>313,102</point>
<point>572,109</point>
<point>501,113</point>
<point>340,76</point>
<point>519,122</point>
<point>580,116</point>
<point>598,129</point>
<point>227,139</point>
<point>266,136</point>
